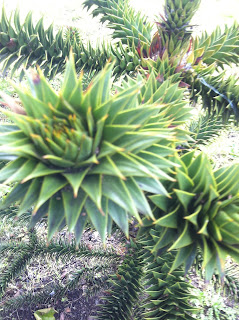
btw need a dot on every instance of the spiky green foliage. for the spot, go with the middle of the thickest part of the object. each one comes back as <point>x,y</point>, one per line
<point>87,78</point>
<point>27,45</point>
<point>129,26</point>
<point>219,93</point>
<point>84,156</point>
<point>169,293</point>
<point>87,156</point>
<point>9,212</point>
<point>162,83</point>
<point>62,249</point>
<point>174,28</point>
<point>58,249</point>
<point>23,45</point>
<point>217,90</point>
<point>220,47</point>
<point>126,284</point>
<point>202,212</point>
<point>73,35</point>
<point>164,86</point>
<point>204,128</point>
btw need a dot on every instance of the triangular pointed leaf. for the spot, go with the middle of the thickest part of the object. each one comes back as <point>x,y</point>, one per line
<point>50,186</point>
<point>75,179</point>
<point>98,219</point>
<point>55,216</point>
<point>120,216</point>
<point>73,207</point>
<point>184,197</point>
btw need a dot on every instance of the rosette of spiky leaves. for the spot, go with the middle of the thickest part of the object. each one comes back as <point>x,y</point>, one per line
<point>128,25</point>
<point>168,293</point>
<point>202,212</point>
<point>26,45</point>
<point>125,288</point>
<point>174,28</point>
<point>84,155</point>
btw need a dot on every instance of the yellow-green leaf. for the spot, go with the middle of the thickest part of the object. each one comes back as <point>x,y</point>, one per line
<point>45,314</point>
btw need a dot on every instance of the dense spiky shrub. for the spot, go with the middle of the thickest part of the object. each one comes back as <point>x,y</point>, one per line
<point>85,155</point>
<point>81,156</point>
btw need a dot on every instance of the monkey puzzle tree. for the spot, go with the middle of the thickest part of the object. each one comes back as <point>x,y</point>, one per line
<point>90,156</point>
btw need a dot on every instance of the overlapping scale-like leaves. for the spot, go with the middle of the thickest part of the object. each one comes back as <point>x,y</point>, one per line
<point>220,47</point>
<point>83,156</point>
<point>168,293</point>
<point>27,44</point>
<point>218,93</point>
<point>204,128</point>
<point>174,27</point>
<point>203,211</point>
<point>126,284</point>
<point>128,25</point>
